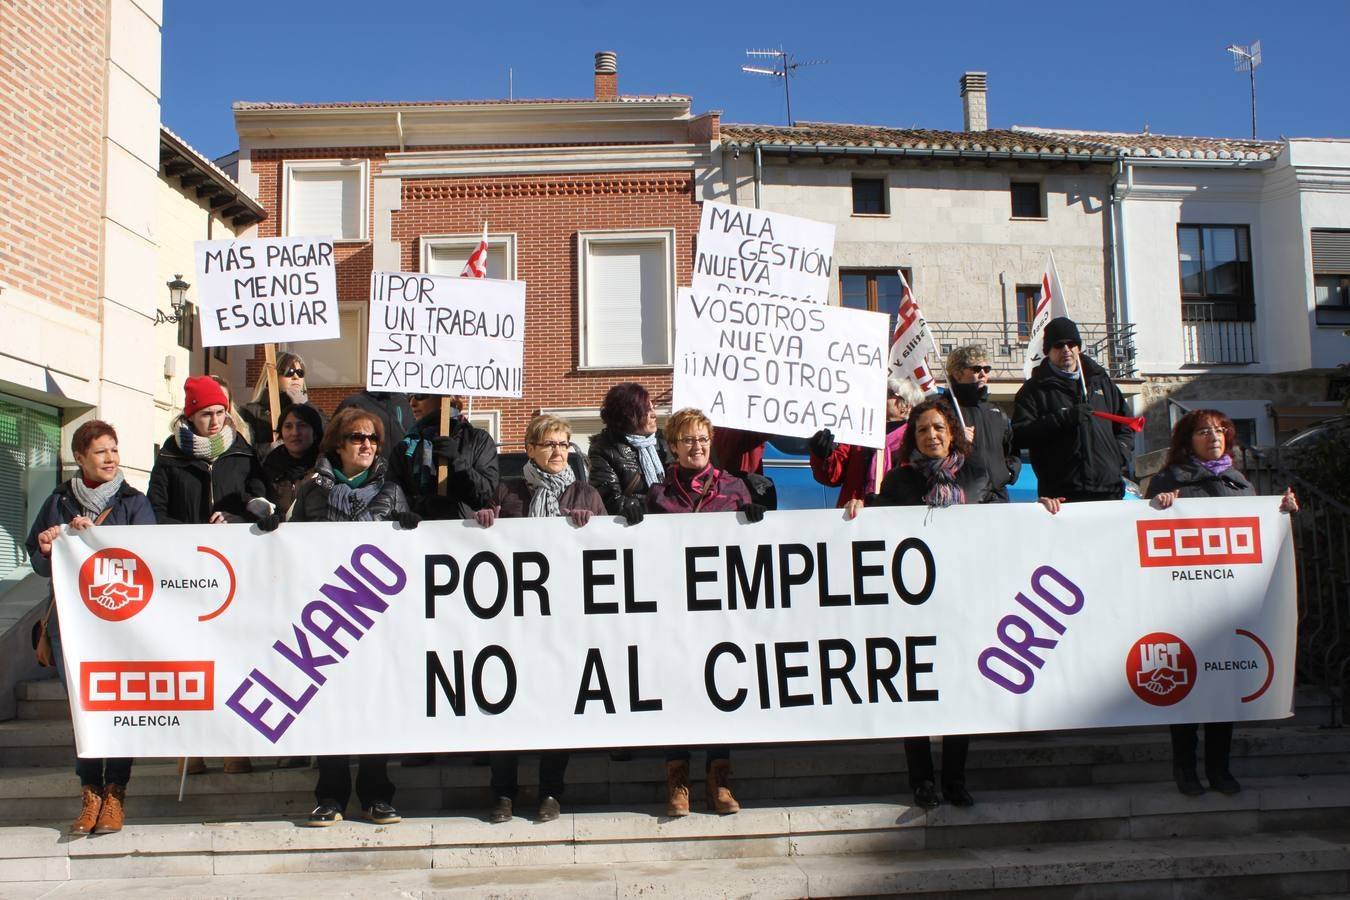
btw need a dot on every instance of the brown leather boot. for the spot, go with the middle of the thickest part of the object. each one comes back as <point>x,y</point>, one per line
<point>718,789</point>
<point>677,787</point>
<point>110,816</point>
<point>238,765</point>
<point>195,765</point>
<point>92,799</point>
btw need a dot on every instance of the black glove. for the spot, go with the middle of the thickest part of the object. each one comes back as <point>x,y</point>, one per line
<point>269,523</point>
<point>633,514</point>
<point>754,512</point>
<point>821,443</point>
<point>408,520</point>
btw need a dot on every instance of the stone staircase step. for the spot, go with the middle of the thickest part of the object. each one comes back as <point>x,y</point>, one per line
<point>1138,815</point>
<point>41,689</point>
<point>1294,864</point>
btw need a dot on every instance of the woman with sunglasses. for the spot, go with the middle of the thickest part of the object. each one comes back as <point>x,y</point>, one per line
<point>258,411</point>
<point>549,488</point>
<point>468,453</point>
<point>938,469</point>
<point>206,474</point>
<point>988,428</point>
<point>694,485</point>
<point>349,485</point>
<point>1200,464</point>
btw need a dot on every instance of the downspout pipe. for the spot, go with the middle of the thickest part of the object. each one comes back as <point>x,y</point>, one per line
<point>759,172</point>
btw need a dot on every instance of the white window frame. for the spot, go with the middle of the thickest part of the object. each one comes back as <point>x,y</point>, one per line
<point>490,420</point>
<point>430,242</point>
<point>584,241</point>
<point>362,310</point>
<point>341,166</point>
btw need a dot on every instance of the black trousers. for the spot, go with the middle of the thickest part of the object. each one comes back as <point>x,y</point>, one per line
<point>1218,744</point>
<point>98,772</point>
<point>713,755</point>
<point>552,768</point>
<point>919,759</point>
<point>372,780</point>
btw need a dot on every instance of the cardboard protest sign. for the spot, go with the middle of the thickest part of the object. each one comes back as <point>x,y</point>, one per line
<point>266,290</point>
<point>438,334</point>
<point>337,638</point>
<point>782,367</point>
<point>756,253</point>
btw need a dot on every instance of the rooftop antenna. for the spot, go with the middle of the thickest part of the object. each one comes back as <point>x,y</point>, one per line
<point>783,68</point>
<point>1246,59</point>
<point>510,83</point>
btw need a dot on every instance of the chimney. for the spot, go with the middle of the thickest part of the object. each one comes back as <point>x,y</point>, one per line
<point>606,75</point>
<point>974,98</point>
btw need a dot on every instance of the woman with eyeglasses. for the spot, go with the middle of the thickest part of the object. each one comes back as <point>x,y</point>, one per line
<point>695,485</point>
<point>938,469</point>
<point>258,411</point>
<point>1200,464</point>
<point>549,488</point>
<point>630,454</point>
<point>349,484</point>
<point>988,428</point>
<point>206,474</point>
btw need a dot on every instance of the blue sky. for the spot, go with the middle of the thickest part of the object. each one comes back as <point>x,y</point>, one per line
<point>1113,67</point>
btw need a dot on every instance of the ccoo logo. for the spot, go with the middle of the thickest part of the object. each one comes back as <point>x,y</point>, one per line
<point>1199,542</point>
<point>115,584</point>
<point>1160,668</point>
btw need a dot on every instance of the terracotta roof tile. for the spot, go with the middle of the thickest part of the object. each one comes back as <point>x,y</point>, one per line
<point>286,104</point>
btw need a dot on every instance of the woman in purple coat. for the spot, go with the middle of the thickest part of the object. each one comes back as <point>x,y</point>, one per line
<point>694,484</point>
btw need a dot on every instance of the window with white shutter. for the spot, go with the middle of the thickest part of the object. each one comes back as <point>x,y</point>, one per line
<point>326,198</point>
<point>626,298</point>
<point>446,254</point>
<point>30,466</point>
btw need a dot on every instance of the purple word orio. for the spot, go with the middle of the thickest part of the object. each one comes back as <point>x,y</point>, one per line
<point>344,610</point>
<point>1010,666</point>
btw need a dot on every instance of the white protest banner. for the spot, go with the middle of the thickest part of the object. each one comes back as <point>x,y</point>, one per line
<point>266,290</point>
<point>762,254</point>
<point>441,334</point>
<point>364,638</point>
<point>781,367</point>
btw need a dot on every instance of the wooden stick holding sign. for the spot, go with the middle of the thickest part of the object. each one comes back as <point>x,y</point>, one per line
<point>273,389</point>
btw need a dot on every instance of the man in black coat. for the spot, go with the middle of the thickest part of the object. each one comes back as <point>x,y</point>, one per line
<point>1076,455</point>
<point>968,376</point>
<point>469,455</point>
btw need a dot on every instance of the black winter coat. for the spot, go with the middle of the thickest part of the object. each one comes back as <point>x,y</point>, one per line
<point>185,490</point>
<point>1072,451</point>
<point>993,439</point>
<point>311,498</point>
<point>617,474</point>
<point>905,485</point>
<point>127,507</point>
<point>471,469</point>
<point>1190,479</point>
<point>392,411</point>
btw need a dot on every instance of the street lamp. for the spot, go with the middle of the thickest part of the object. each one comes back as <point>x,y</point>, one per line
<point>178,289</point>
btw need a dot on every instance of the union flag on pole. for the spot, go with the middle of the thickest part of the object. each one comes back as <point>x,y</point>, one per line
<point>912,342</point>
<point>476,266</point>
<point>1050,305</point>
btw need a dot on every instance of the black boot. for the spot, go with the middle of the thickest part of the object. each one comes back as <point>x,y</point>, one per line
<point>1188,782</point>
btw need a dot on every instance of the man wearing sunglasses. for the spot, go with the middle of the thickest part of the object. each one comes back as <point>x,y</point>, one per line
<point>1076,456</point>
<point>968,371</point>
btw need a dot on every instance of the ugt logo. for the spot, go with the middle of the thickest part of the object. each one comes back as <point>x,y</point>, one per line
<point>115,584</point>
<point>1160,668</point>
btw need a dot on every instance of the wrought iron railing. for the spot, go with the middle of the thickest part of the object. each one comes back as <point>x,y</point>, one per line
<point>1210,342</point>
<point>1109,343</point>
<point>1322,564</point>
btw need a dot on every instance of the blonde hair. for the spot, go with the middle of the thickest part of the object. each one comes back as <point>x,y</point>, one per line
<point>541,426</point>
<point>239,423</point>
<point>684,420</point>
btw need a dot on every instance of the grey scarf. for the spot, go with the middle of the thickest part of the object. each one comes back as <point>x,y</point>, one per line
<point>93,500</point>
<point>546,488</point>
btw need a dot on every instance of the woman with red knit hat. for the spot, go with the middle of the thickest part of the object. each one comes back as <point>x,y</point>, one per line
<point>208,474</point>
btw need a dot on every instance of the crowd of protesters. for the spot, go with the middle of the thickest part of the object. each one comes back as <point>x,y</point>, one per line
<point>392,457</point>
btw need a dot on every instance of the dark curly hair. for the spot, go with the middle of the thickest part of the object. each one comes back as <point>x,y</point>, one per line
<point>908,444</point>
<point>625,407</point>
<point>1180,451</point>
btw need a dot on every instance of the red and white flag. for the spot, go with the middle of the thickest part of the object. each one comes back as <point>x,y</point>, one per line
<point>476,266</point>
<point>912,342</point>
<point>1050,305</point>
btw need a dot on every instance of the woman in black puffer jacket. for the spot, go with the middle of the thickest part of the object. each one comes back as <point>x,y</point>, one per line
<point>349,484</point>
<point>1200,464</point>
<point>630,455</point>
<point>289,463</point>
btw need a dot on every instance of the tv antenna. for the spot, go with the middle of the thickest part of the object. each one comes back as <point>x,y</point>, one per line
<point>1246,59</point>
<point>783,68</point>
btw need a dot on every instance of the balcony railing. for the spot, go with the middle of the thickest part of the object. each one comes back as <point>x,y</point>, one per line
<point>1210,342</point>
<point>1110,344</point>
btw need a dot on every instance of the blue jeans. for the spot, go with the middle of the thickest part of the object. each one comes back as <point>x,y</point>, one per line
<point>96,772</point>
